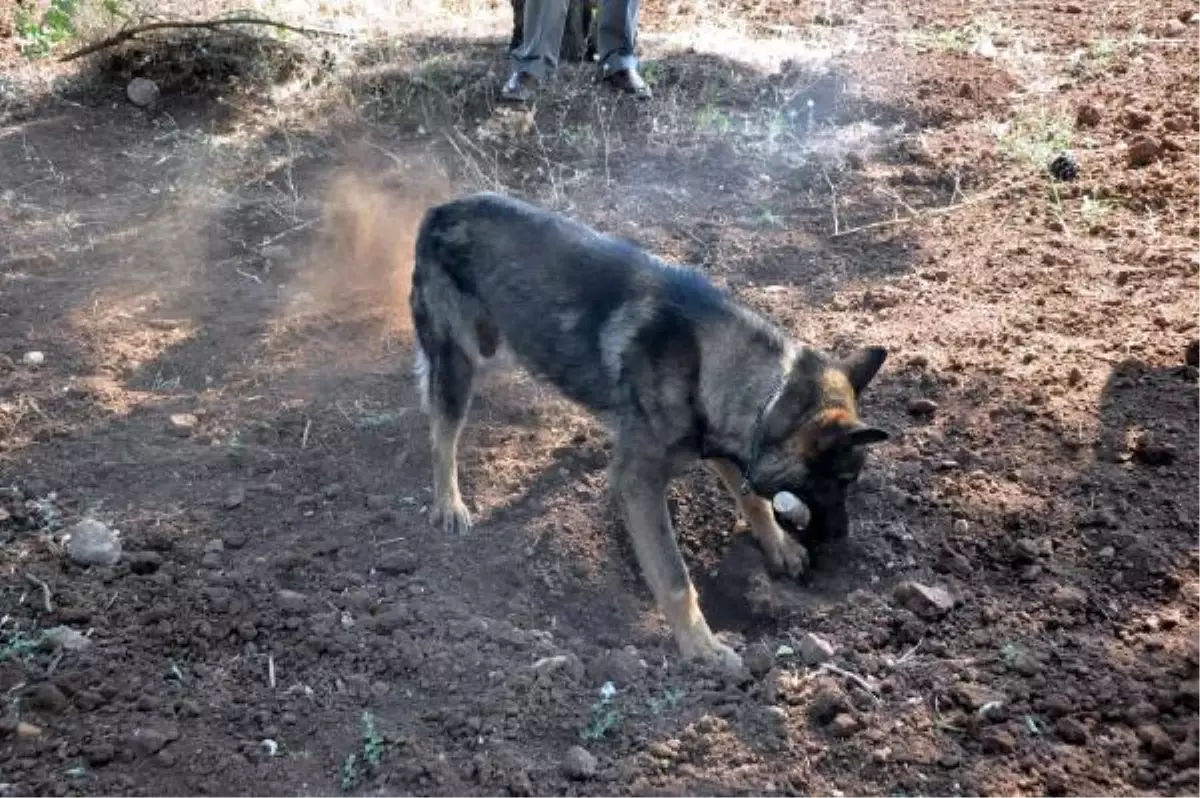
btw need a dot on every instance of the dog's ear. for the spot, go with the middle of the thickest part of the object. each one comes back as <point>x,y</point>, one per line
<point>865,436</point>
<point>862,366</point>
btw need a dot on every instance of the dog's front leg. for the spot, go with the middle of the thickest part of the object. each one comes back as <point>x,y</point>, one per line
<point>640,490</point>
<point>785,555</point>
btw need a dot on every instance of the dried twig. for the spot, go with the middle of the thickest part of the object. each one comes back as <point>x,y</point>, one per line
<point>208,24</point>
<point>271,670</point>
<point>942,211</point>
<point>854,677</point>
<point>46,602</point>
<point>833,201</point>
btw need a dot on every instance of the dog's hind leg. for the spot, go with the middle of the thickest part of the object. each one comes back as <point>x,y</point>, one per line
<point>640,490</point>
<point>785,555</point>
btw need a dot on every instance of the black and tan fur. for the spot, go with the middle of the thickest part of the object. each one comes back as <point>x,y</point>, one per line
<point>673,365</point>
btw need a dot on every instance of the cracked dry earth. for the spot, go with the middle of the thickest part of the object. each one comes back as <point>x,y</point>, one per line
<point>224,380</point>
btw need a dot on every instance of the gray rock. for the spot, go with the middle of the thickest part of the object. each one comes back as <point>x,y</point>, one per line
<point>150,740</point>
<point>142,92</point>
<point>48,698</point>
<point>922,407</point>
<point>92,543</point>
<point>814,649</point>
<point>759,660</point>
<point>182,424</point>
<point>927,602</point>
<point>66,639</point>
<point>292,602</point>
<point>578,764</point>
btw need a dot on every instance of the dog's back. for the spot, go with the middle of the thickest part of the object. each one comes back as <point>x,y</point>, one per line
<point>567,300</point>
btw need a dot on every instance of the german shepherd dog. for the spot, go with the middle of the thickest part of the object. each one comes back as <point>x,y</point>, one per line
<point>675,368</point>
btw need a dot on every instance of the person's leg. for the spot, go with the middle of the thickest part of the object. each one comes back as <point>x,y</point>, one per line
<point>616,40</point>
<point>537,55</point>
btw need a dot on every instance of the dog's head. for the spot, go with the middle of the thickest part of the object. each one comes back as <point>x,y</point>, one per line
<point>814,445</point>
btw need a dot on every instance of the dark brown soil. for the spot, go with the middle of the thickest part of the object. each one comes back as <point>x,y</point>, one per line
<point>239,255</point>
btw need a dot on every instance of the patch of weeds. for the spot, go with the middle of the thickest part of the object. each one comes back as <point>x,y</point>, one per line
<point>604,715</point>
<point>1036,725</point>
<point>1010,653</point>
<point>1036,137</point>
<point>953,40</point>
<point>1102,55</point>
<point>40,35</point>
<point>713,119</point>
<point>18,645</point>
<point>1094,209</point>
<point>669,700</point>
<point>358,764</point>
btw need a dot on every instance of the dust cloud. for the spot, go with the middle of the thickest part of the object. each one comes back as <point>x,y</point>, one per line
<point>360,265</point>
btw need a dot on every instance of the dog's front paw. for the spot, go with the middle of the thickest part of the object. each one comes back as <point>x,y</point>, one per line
<point>786,556</point>
<point>714,653</point>
<point>451,516</point>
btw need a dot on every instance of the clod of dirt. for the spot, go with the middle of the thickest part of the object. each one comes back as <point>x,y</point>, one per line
<point>1156,741</point>
<point>922,407</point>
<point>1188,693</point>
<point>1136,118</point>
<point>997,741</point>
<point>622,667</point>
<point>973,696</point>
<point>142,92</point>
<point>291,602</point>
<point>927,602</point>
<point>99,754</point>
<point>1026,550</point>
<point>1069,598</point>
<point>150,740</point>
<point>578,764</point>
<point>759,660</point>
<point>92,543</point>
<point>814,649</point>
<point>1174,29</point>
<point>398,563</point>
<point>276,254</point>
<point>1152,452</point>
<point>1143,151</point>
<point>1072,731</point>
<point>569,664</point>
<point>33,359</point>
<point>234,498</point>
<point>844,725</point>
<point>1191,355</point>
<point>145,562</point>
<point>828,702</point>
<point>48,698</point>
<point>235,538</point>
<point>182,424</point>
<point>1087,115</point>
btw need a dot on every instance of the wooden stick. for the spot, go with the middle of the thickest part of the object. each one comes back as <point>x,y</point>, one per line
<point>33,580</point>
<point>211,24</point>
<point>987,195</point>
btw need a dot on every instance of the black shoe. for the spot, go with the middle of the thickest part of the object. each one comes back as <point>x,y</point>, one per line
<point>520,87</point>
<point>628,81</point>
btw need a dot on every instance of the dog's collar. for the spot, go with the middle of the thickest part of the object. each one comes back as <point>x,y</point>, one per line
<point>756,432</point>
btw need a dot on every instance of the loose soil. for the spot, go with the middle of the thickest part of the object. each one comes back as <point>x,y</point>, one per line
<point>283,619</point>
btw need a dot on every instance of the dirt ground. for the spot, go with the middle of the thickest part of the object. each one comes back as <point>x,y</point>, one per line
<point>216,287</point>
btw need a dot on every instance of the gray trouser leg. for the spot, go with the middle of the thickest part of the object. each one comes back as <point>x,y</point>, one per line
<point>618,35</point>
<point>544,23</point>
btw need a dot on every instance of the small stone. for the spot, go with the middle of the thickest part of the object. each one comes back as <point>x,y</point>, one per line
<point>623,667</point>
<point>1156,741</point>
<point>66,639</point>
<point>844,725</point>
<point>814,649</point>
<point>214,546</point>
<point>1087,115</point>
<point>235,538</point>
<point>1069,598</point>
<point>578,764</point>
<point>234,498</point>
<point>291,601</point>
<point>922,407</point>
<point>759,660</point>
<point>1072,731</point>
<point>92,543</point>
<point>378,501</point>
<point>28,730</point>
<point>48,698</point>
<point>182,424</point>
<point>1026,550</point>
<point>1151,452</point>
<point>1025,663</point>
<point>927,602</point>
<point>1143,151</point>
<point>145,562</point>
<point>1106,553</point>
<point>397,563</point>
<point>997,741</point>
<point>1175,29</point>
<point>34,358</point>
<point>142,92</point>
